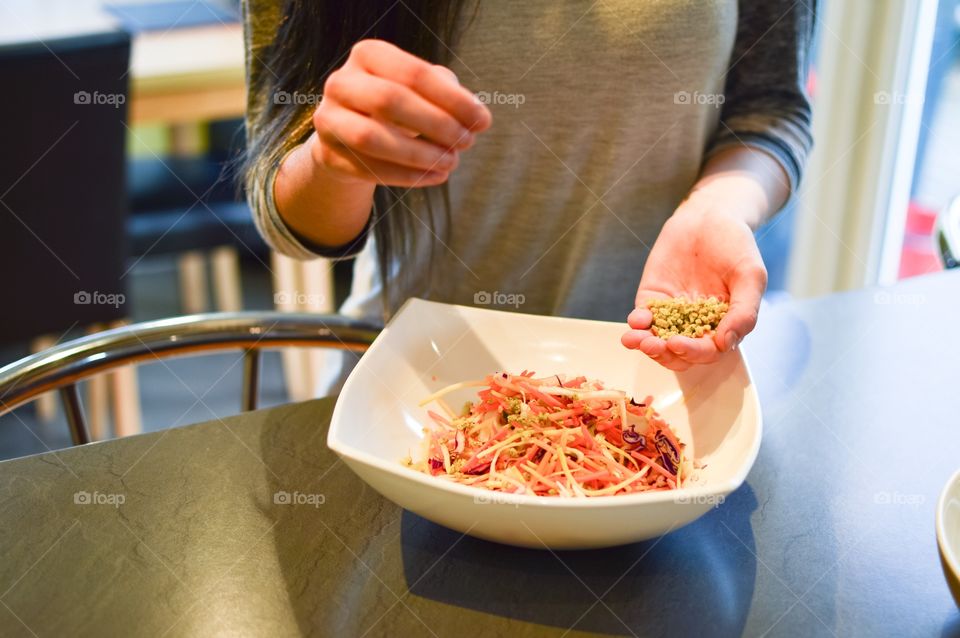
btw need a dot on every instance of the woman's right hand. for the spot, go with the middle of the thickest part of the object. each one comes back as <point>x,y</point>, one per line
<point>388,117</point>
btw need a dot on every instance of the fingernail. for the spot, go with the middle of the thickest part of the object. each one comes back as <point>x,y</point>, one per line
<point>732,340</point>
<point>447,73</point>
<point>445,161</point>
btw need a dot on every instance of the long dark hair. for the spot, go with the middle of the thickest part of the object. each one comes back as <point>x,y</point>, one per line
<point>314,38</point>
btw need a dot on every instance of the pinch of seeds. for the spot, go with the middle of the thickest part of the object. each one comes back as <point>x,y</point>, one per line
<point>682,317</point>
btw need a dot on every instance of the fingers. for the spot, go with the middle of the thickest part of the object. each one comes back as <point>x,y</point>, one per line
<point>349,163</point>
<point>399,105</point>
<point>640,337</point>
<point>676,353</point>
<point>633,338</point>
<point>746,289</point>
<point>699,350</point>
<point>392,63</point>
<point>390,117</point>
<point>640,319</point>
<point>447,73</point>
<point>655,348</point>
<point>374,139</point>
<point>645,296</point>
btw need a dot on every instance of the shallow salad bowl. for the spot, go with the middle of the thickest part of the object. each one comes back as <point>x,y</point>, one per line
<point>426,346</point>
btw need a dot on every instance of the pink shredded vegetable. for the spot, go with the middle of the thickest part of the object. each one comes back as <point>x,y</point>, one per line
<point>551,436</point>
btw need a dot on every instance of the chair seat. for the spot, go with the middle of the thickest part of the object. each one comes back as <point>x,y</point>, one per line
<point>173,230</point>
<point>171,182</point>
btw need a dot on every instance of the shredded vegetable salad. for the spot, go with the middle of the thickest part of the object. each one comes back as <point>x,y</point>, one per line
<point>551,436</point>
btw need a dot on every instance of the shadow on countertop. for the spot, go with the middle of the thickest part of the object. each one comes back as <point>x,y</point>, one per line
<point>358,563</point>
<point>644,588</point>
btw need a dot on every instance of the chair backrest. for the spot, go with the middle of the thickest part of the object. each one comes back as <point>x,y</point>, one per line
<point>62,209</point>
<point>63,366</point>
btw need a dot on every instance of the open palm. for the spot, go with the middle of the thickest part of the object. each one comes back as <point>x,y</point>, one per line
<point>698,253</point>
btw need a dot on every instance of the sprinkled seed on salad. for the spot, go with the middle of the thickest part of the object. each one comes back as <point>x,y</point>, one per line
<point>682,317</point>
<point>551,436</point>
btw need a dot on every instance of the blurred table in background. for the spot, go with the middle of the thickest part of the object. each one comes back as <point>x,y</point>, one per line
<point>181,77</point>
<point>177,76</point>
<point>186,75</point>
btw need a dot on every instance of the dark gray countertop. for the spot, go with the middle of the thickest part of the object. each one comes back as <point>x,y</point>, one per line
<point>832,534</point>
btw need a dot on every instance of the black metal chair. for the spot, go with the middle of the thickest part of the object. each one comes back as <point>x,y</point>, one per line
<point>187,204</point>
<point>179,204</point>
<point>62,213</point>
<point>62,367</point>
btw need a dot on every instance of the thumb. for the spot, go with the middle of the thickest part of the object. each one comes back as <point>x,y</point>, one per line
<point>746,290</point>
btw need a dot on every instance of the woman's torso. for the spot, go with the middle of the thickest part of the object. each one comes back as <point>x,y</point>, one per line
<point>602,113</point>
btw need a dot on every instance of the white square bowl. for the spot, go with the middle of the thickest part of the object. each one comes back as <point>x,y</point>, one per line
<point>377,423</point>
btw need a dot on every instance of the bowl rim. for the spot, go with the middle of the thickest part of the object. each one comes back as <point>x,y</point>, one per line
<point>667,496</point>
<point>946,550</point>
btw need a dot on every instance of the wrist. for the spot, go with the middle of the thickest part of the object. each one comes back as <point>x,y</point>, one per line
<point>317,205</point>
<point>321,173</point>
<point>704,204</point>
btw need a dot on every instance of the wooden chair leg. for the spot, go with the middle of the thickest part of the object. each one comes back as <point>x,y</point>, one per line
<point>46,404</point>
<point>97,407</point>
<point>125,398</point>
<point>97,401</point>
<point>225,264</point>
<point>193,282</point>
<point>317,277</point>
<point>125,392</point>
<point>286,291</point>
<point>186,139</point>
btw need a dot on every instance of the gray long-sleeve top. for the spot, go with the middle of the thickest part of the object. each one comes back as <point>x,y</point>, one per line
<point>604,113</point>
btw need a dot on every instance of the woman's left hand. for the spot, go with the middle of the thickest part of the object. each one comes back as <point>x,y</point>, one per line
<point>700,251</point>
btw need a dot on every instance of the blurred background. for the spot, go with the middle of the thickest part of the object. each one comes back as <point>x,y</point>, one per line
<point>122,120</point>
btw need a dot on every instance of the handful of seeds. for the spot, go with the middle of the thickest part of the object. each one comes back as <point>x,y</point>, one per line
<point>681,317</point>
